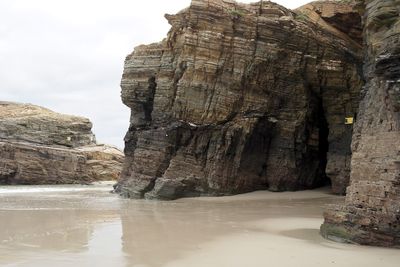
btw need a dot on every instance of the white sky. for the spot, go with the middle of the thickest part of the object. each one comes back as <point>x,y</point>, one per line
<point>68,55</point>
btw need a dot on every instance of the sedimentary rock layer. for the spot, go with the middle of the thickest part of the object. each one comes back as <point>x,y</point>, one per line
<point>38,146</point>
<point>239,98</point>
<point>34,124</point>
<point>371,213</point>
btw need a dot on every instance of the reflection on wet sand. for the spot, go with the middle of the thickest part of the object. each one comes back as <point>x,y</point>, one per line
<point>48,230</point>
<point>95,228</point>
<point>38,225</point>
<point>155,233</point>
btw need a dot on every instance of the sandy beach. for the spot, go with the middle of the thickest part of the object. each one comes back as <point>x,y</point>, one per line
<point>88,226</point>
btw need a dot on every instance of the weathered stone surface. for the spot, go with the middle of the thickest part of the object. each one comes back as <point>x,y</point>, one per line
<point>34,124</point>
<point>38,146</point>
<point>371,213</point>
<point>238,98</point>
<point>336,16</point>
<point>103,162</point>
<point>341,19</point>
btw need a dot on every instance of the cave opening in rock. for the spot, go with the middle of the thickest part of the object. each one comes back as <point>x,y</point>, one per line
<point>253,164</point>
<point>323,146</point>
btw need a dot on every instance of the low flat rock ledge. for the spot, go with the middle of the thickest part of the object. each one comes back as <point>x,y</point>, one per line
<point>39,146</point>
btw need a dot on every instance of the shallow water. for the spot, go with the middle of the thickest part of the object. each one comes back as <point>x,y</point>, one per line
<point>88,226</point>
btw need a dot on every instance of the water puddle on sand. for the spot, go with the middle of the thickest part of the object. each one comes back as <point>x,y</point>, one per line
<point>88,226</point>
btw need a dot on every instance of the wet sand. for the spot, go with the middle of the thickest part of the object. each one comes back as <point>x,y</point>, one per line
<point>87,226</point>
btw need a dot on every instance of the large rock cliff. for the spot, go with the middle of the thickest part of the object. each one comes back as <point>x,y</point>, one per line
<point>371,213</point>
<point>39,146</point>
<point>241,97</point>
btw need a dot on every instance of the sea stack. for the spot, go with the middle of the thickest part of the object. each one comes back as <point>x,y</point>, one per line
<point>242,97</point>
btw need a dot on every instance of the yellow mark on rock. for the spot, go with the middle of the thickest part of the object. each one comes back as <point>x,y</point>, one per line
<point>349,121</point>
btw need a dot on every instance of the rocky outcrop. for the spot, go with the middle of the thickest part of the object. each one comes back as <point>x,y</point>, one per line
<point>341,19</point>
<point>38,146</point>
<point>371,213</point>
<point>103,162</point>
<point>241,97</point>
<point>339,16</point>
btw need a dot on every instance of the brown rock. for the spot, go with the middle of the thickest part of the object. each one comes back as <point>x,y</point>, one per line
<point>239,98</point>
<point>371,213</point>
<point>38,146</point>
<point>38,125</point>
<point>103,162</point>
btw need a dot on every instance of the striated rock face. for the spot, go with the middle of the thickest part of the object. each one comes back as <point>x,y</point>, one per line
<point>103,162</point>
<point>34,124</point>
<point>371,213</point>
<point>341,19</point>
<point>336,15</point>
<point>38,146</point>
<point>242,97</point>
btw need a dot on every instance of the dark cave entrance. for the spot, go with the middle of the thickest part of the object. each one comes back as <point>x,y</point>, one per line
<point>315,168</point>
<point>253,164</point>
<point>323,146</point>
<point>312,165</point>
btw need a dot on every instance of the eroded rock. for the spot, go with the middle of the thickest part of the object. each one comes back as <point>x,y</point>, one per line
<point>371,213</point>
<point>240,97</point>
<point>39,146</point>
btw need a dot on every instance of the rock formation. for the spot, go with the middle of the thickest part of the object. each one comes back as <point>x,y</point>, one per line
<point>241,97</point>
<point>338,17</point>
<point>371,213</point>
<point>38,146</point>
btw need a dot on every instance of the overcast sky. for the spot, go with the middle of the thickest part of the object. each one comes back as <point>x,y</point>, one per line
<point>68,55</point>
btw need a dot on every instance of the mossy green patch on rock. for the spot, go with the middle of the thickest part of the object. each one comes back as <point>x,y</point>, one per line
<point>236,13</point>
<point>336,233</point>
<point>301,17</point>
